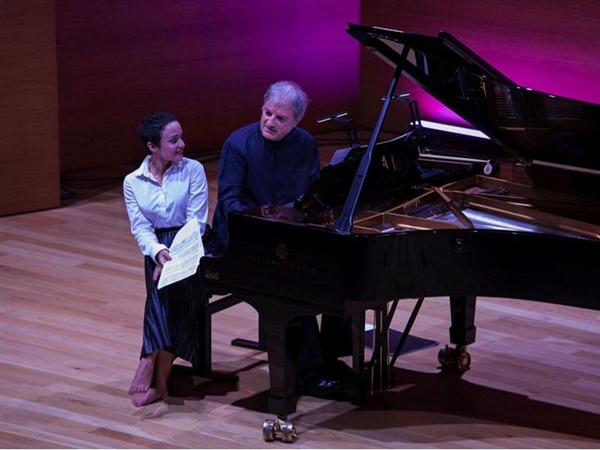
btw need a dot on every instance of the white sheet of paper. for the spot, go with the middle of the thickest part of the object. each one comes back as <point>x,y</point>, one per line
<point>186,251</point>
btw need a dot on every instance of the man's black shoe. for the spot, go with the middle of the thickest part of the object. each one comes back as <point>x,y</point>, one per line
<point>339,370</point>
<point>318,384</point>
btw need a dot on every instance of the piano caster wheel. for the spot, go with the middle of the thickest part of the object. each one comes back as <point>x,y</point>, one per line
<point>445,356</point>
<point>463,362</point>
<point>269,430</point>
<point>458,359</point>
<point>269,427</point>
<point>288,432</point>
<point>278,428</point>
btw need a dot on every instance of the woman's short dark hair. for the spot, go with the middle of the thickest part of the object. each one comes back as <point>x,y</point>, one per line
<point>151,126</point>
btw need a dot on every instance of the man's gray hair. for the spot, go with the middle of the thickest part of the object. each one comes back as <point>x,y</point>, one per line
<point>290,93</point>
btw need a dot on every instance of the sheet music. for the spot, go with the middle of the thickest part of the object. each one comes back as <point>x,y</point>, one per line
<point>186,251</point>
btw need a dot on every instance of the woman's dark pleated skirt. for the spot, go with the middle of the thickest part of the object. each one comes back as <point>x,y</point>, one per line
<point>171,313</point>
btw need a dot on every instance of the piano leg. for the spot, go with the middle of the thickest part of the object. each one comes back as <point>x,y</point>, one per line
<point>462,313</point>
<point>358,343</point>
<point>462,333</point>
<point>281,336</point>
<point>203,362</point>
<point>280,333</point>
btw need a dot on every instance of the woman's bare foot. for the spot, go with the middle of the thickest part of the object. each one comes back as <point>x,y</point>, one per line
<point>143,376</point>
<point>150,396</point>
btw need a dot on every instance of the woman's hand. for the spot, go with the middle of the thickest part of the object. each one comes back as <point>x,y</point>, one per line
<point>161,258</point>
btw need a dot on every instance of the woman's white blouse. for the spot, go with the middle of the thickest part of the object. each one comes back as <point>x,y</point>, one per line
<point>182,196</point>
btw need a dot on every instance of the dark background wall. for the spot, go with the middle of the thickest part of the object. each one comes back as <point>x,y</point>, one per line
<point>78,75</point>
<point>207,61</point>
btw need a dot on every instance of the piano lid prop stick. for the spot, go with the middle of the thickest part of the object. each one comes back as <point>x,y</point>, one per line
<point>343,224</point>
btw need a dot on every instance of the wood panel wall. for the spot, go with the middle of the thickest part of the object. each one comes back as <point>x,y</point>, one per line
<point>29,176</point>
<point>209,62</point>
<point>547,45</point>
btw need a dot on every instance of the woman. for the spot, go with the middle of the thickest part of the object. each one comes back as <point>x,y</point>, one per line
<point>161,196</point>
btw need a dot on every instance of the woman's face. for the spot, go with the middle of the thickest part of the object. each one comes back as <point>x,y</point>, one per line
<point>171,143</point>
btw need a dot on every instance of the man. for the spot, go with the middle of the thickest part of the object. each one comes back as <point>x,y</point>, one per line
<point>272,162</point>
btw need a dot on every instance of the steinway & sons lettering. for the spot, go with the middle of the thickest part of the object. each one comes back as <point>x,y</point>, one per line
<point>283,264</point>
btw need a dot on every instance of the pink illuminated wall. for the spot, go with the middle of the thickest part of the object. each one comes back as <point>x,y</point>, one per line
<point>547,45</point>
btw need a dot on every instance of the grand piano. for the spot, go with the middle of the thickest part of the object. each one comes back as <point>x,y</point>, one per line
<point>412,217</point>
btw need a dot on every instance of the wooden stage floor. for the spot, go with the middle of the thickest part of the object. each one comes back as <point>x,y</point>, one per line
<point>72,296</point>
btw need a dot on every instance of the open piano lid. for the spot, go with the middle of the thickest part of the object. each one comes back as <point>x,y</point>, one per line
<point>535,127</point>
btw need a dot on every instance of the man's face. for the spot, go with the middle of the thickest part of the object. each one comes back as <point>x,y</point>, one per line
<point>277,120</point>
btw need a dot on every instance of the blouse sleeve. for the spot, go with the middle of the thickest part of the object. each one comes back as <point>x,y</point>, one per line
<point>141,227</point>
